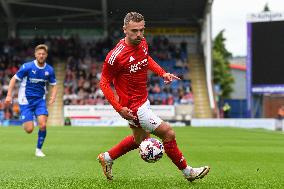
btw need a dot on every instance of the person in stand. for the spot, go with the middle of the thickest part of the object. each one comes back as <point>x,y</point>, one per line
<point>280,116</point>
<point>226,110</point>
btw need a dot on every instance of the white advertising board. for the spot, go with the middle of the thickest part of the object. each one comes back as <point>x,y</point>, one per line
<point>105,115</point>
<point>88,111</point>
<point>96,122</point>
<point>101,111</point>
<point>269,124</point>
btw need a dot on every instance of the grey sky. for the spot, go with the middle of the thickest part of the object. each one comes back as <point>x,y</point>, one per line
<point>231,15</point>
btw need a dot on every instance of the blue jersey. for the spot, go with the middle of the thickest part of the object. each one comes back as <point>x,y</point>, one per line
<point>33,81</point>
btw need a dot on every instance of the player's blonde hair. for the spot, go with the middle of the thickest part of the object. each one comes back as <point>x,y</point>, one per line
<point>41,46</point>
<point>133,16</point>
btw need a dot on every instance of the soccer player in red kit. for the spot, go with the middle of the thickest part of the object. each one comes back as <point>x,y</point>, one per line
<point>126,67</point>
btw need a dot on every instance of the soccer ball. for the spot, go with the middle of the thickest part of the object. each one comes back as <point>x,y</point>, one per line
<point>151,150</point>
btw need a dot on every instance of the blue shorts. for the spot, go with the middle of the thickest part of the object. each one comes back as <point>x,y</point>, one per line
<point>34,108</point>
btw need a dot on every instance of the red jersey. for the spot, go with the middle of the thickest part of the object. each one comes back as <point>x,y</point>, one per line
<point>126,67</point>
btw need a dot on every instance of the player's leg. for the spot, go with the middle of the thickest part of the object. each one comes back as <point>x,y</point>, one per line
<point>41,113</point>
<point>167,134</point>
<point>127,144</point>
<point>28,126</point>
<point>139,134</point>
<point>27,118</point>
<point>152,123</point>
<point>41,135</point>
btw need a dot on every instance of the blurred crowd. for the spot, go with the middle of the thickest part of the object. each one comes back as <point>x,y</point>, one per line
<point>83,74</point>
<point>84,61</point>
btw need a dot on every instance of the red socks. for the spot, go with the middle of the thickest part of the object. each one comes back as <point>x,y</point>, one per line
<point>126,145</point>
<point>175,154</point>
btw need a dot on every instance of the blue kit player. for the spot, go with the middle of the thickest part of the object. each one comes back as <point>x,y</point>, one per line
<point>34,77</point>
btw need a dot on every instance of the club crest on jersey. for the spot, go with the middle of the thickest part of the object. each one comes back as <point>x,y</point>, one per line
<point>144,50</point>
<point>46,73</point>
<point>135,67</point>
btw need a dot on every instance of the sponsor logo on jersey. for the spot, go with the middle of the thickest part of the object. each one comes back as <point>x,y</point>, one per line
<point>34,71</point>
<point>134,67</point>
<point>34,80</point>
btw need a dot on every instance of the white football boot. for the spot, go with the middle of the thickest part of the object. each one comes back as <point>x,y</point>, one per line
<point>39,153</point>
<point>197,173</point>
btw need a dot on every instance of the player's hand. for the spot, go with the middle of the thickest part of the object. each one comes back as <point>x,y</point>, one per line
<point>168,78</point>
<point>8,101</point>
<point>127,114</point>
<point>51,100</point>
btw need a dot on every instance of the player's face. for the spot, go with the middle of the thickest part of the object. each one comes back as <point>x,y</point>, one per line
<point>134,32</point>
<point>41,55</point>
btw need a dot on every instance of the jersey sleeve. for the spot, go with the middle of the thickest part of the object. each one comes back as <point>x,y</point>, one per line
<point>22,72</point>
<point>52,78</point>
<point>154,66</point>
<point>109,71</point>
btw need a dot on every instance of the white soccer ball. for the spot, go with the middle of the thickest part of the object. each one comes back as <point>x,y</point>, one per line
<point>151,150</point>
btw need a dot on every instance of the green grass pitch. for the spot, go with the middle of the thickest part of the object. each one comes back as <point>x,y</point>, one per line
<point>239,158</point>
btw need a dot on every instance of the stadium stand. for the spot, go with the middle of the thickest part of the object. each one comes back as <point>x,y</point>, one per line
<point>174,38</point>
<point>83,74</point>
<point>83,64</point>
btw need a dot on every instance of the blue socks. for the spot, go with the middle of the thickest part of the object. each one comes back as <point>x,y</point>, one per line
<point>41,138</point>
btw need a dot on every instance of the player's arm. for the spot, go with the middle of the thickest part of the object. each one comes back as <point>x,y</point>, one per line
<point>154,66</point>
<point>22,72</point>
<point>52,83</point>
<point>53,94</point>
<point>108,73</point>
<point>12,82</point>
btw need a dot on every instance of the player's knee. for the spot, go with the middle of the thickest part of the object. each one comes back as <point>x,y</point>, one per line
<point>137,141</point>
<point>29,130</point>
<point>42,127</point>
<point>139,138</point>
<point>28,127</point>
<point>170,135</point>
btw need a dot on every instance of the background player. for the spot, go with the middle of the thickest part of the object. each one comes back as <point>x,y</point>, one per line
<point>34,76</point>
<point>126,67</point>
